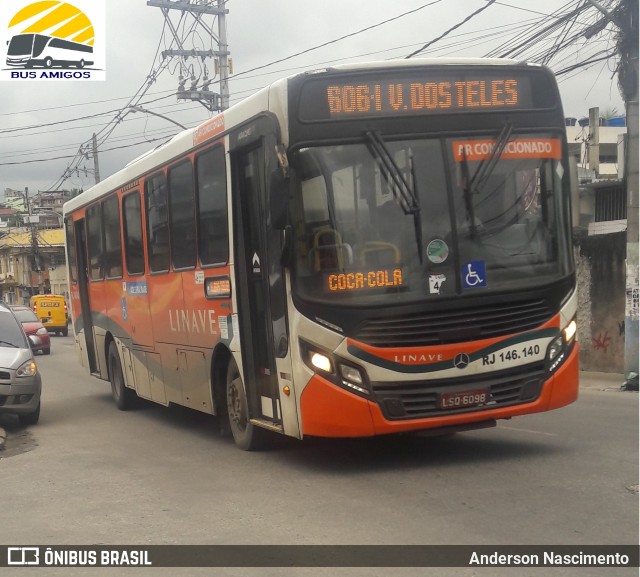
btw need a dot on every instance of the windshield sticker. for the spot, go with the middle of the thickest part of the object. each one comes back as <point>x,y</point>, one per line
<point>515,149</point>
<point>474,274</point>
<point>435,283</point>
<point>437,251</point>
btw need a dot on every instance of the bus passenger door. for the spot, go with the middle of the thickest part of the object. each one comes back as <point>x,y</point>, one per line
<point>259,298</point>
<point>83,287</point>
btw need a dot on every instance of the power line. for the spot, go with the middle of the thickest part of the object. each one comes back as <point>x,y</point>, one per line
<point>481,9</point>
<point>337,39</point>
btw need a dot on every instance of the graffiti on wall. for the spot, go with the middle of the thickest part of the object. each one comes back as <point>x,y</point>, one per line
<point>602,342</point>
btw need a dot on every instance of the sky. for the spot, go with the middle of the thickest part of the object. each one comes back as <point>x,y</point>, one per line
<point>260,33</point>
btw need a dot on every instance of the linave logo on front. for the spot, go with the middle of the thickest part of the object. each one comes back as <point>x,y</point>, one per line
<point>52,40</point>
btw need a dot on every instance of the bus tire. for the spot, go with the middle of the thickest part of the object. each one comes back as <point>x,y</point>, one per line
<point>246,435</point>
<point>48,62</point>
<point>125,398</point>
<point>81,64</point>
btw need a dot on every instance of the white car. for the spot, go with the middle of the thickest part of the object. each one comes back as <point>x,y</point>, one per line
<point>20,382</point>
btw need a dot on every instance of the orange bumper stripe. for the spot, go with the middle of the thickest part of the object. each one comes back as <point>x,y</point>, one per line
<point>329,411</point>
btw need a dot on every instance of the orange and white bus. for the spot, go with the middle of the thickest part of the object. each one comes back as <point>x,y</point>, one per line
<point>362,250</point>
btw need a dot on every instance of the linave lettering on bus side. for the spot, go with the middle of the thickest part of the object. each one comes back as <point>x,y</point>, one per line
<point>193,321</point>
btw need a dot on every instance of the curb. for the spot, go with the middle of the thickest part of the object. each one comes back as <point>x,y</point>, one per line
<point>602,381</point>
<point>3,438</point>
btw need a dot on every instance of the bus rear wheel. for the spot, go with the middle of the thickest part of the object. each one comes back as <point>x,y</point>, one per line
<point>245,434</point>
<point>81,64</point>
<point>125,398</point>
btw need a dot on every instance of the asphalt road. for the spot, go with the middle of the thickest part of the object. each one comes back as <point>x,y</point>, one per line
<point>90,474</point>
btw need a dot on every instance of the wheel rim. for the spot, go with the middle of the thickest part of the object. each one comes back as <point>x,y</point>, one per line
<point>236,405</point>
<point>48,63</point>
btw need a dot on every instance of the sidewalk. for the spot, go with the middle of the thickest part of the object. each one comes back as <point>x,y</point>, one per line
<point>602,381</point>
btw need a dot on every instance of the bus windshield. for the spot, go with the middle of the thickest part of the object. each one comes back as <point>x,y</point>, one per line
<point>391,220</point>
<point>20,44</point>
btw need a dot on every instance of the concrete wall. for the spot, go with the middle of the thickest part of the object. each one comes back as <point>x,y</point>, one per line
<point>600,263</point>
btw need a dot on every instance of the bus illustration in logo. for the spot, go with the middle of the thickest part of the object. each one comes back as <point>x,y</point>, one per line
<point>55,34</point>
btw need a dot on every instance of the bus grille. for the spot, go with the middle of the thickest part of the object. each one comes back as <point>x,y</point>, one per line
<point>444,327</point>
<point>418,399</point>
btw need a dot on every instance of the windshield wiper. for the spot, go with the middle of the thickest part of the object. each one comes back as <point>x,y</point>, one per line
<point>473,184</point>
<point>9,344</point>
<point>403,192</point>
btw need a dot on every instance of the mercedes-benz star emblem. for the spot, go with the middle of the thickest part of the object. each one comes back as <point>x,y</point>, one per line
<point>461,361</point>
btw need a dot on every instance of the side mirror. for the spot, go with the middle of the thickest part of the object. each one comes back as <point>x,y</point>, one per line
<point>34,341</point>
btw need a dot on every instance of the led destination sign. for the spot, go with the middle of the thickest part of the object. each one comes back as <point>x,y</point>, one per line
<point>421,92</point>
<point>362,280</point>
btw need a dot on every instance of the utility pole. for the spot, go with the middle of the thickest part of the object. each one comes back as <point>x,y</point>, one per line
<point>593,141</point>
<point>35,249</point>
<point>96,167</point>
<point>198,89</point>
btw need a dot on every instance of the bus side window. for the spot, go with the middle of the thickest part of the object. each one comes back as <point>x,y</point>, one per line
<point>213,228</point>
<point>112,242</point>
<point>71,249</point>
<point>95,243</point>
<point>157,223</point>
<point>181,204</point>
<point>132,225</point>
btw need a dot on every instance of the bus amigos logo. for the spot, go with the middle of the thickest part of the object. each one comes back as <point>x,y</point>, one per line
<point>52,40</point>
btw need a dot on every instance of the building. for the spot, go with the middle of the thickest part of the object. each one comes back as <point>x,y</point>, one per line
<point>600,225</point>
<point>598,147</point>
<point>32,263</point>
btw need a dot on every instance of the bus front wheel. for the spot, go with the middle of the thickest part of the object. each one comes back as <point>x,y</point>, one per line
<point>125,398</point>
<point>245,434</point>
<point>48,62</point>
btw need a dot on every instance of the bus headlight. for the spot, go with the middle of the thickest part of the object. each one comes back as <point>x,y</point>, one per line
<point>321,361</point>
<point>317,359</point>
<point>559,348</point>
<point>340,372</point>
<point>353,379</point>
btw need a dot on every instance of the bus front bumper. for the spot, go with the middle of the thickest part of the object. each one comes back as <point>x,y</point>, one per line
<point>330,411</point>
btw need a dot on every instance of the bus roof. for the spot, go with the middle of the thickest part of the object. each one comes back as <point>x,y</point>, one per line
<point>271,97</point>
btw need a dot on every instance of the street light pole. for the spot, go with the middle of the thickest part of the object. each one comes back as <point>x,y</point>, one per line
<point>140,109</point>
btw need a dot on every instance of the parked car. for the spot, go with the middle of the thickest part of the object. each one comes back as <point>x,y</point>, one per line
<point>32,326</point>
<point>20,382</point>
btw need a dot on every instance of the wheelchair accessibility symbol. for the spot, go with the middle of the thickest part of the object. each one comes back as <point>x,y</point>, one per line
<point>474,274</point>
